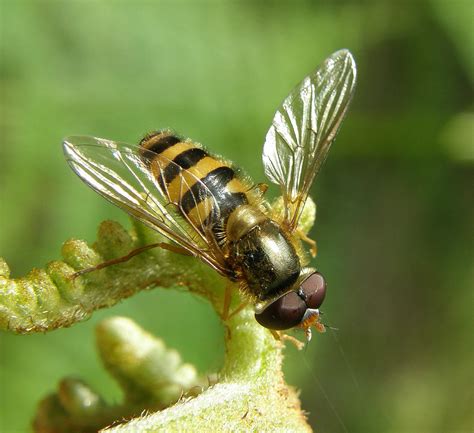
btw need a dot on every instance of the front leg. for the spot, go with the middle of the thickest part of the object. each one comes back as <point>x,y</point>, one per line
<point>282,337</point>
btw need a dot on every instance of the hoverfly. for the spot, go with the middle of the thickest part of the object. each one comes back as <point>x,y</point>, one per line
<point>208,210</point>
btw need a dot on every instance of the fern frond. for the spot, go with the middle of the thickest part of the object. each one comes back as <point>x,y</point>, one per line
<point>250,395</point>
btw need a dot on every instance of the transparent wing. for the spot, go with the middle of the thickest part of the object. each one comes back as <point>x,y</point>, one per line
<point>132,178</point>
<point>304,127</point>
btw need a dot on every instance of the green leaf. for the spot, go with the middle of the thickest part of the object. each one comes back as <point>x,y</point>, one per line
<point>52,298</point>
<point>250,394</point>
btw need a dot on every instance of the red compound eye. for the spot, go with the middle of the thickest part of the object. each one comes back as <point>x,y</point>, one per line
<point>314,290</point>
<point>284,313</point>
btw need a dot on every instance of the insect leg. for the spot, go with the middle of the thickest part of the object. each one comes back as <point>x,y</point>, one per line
<point>133,253</point>
<point>262,187</point>
<point>282,337</point>
<point>227,300</point>
<point>238,309</point>
<point>311,242</point>
<point>174,249</point>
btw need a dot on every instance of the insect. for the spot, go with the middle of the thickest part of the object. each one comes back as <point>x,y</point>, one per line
<point>207,209</point>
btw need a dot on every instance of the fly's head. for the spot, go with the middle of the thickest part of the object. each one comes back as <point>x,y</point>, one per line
<point>298,307</point>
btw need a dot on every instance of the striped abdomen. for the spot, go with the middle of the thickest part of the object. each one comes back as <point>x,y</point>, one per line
<point>227,189</point>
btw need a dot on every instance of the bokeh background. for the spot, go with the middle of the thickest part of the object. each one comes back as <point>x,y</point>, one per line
<point>395,216</point>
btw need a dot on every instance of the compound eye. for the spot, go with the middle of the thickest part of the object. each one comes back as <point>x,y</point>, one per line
<point>314,289</point>
<point>284,313</point>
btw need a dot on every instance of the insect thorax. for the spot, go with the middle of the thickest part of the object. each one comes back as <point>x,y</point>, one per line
<point>263,255</point>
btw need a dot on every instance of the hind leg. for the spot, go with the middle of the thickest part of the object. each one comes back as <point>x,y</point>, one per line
<point>133,253</point>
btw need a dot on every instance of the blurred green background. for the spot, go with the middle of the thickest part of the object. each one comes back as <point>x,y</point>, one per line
<point>395,212</point>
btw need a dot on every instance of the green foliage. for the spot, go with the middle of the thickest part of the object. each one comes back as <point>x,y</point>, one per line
<point>150,376</point>
<point>52,298</point>
<point>250,395</point>
<point>394,199</point>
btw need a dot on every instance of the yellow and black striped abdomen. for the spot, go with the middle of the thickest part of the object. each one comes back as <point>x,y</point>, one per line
<point>216,178</point>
